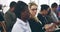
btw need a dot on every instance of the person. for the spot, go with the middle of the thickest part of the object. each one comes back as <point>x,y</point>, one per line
<point>48,26</point>
<point>1,13</point>
<point>54,15</point>
<point>58,12</point>
<point>34,21</point>
<point>43,13</point>
<point>22,14</point>
<point>2,24</point>
<point>10,17</point>
<point>48,16</point>
<point>54,12</point>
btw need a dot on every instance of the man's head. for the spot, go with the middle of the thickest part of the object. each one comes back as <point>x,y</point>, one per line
<point>44,9</point>
<point>22,10</point>
<point>33,8</point>
<point>12,5</point>
<point>54,6</point>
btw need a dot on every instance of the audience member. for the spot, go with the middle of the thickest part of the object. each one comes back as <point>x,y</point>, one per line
<point>22,13</point>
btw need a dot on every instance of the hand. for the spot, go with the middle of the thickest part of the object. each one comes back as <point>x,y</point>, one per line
<point>57,23</point>
<point>50,27</point>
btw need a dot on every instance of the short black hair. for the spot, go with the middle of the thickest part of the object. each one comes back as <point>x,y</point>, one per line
<point>54,5</point>
<point>20,7</point>
<point>44,7</point>
<point>12,4</point>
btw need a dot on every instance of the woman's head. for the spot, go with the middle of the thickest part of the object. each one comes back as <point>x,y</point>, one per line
<point>33,8</point>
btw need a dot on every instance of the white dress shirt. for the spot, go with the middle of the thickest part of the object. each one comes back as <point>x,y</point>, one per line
<point>21,26</point>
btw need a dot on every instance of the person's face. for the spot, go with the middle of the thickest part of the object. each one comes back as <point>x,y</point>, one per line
<point>33,10</point>
<point>12,9</point>
<point>46,11</point>
<point>26,13</point>
<point>55,8</point>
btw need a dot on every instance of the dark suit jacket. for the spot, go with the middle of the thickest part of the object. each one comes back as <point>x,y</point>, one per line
<point>42,19</point>
<point>35,26</point>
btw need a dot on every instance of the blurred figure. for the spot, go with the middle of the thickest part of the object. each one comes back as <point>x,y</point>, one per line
<point>1,13</point>
<point>49,27</point>
<point>48,16</point>
<point>54,12</point>
<point>52,16</point>
<point>54,7</point>
<point>2,24</point>
<point>43,13</point>
<point>34,21</point>
<point>10,17</point>
<point>22,13</point>
<point>58,12</point>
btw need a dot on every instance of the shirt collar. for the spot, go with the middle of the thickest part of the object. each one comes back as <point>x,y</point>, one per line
<point>21,21</point>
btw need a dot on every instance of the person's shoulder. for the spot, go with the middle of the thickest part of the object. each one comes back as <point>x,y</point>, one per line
<point>16,25</point>
<point>39,15</point>
<point>7,12</point>
<point>16,28</point>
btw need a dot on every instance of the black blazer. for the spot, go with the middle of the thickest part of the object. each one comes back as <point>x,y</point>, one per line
<point>35,26</point>
<point>42,19</point>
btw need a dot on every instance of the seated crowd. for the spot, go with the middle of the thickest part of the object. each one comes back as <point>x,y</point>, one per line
<point>21,17</point>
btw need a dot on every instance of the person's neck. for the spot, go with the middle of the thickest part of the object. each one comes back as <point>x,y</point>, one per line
<point>53,9</point>
<point>31,16</point>
<point>11,10</point>
<point>23,19</point>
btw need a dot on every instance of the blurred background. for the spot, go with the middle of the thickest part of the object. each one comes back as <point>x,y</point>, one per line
<point>5,3</point>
